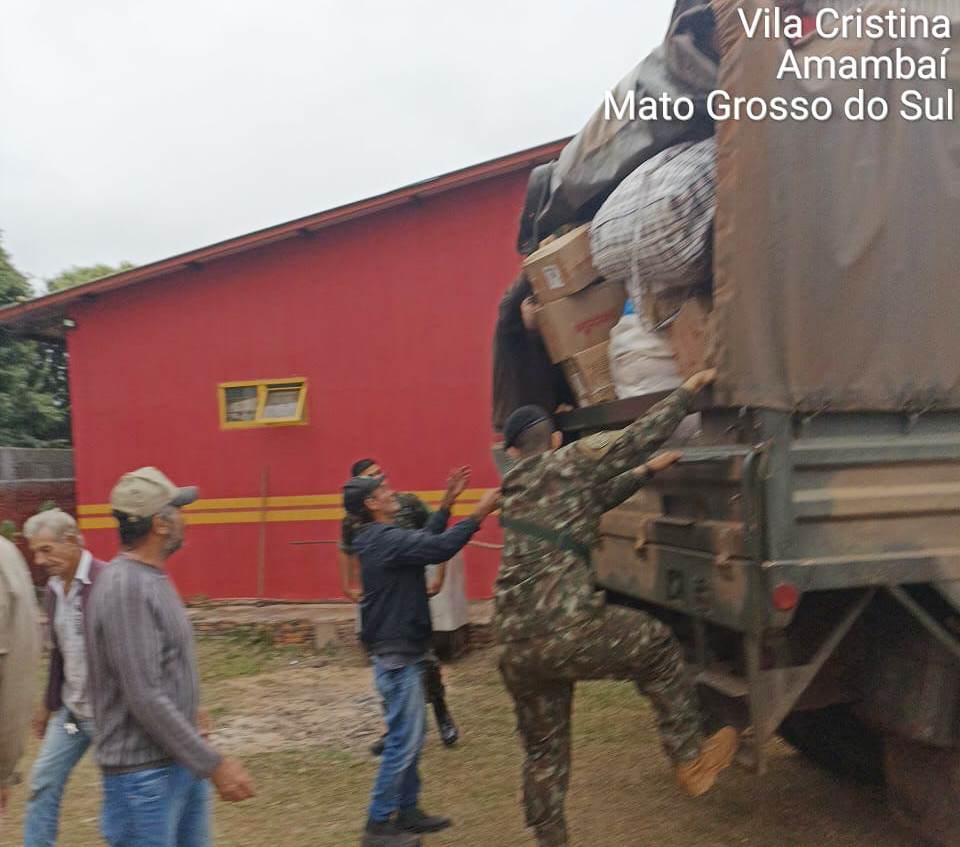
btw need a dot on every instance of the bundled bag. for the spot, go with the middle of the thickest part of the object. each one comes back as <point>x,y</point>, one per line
<point>641,359</point>
<point>608,148</point>
<point>655,231</point>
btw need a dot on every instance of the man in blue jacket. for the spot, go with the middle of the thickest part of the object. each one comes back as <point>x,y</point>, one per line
<point>397,630</point>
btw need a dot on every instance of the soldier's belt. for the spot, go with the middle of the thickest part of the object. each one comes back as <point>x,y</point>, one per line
<point>561,540</point>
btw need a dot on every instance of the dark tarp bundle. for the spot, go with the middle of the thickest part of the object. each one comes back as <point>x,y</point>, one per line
<point>837,256</point>
<point>605,151</point>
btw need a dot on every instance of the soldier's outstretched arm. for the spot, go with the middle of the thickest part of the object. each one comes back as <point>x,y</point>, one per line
<point>613,492</point>
<point>633,446</point>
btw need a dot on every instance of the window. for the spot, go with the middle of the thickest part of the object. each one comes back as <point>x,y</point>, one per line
<point>262,403</point>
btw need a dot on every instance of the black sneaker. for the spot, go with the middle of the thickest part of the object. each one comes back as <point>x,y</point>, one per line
<point>416,820</point>
<point>387,834</point>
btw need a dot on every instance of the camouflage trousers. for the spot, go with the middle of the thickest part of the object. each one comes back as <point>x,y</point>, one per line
<point>618,643</point>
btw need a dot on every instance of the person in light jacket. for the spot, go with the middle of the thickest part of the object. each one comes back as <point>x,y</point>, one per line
<point>19,657</point>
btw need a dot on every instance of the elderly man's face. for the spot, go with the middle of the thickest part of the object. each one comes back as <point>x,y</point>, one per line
<point>57,557</point>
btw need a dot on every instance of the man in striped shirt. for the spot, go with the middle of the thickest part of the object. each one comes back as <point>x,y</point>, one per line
<point>153,754</point>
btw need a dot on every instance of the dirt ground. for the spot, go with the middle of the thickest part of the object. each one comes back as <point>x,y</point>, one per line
<point>303,723</point>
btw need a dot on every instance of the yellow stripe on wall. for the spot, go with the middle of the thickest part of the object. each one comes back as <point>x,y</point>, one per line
<point>96,523</point>
<point>99,519</point>
<point>430,497</point>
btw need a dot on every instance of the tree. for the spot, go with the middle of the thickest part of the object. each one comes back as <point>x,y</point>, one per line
<point>77,275</point>
<point>34,400</point>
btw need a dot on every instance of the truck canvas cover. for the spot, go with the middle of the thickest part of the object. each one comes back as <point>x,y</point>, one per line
<point>837,247</point>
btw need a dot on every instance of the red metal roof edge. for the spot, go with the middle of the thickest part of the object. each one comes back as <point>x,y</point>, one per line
<point>11,315</point>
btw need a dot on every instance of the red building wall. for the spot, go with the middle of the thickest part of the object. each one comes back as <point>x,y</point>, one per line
<point>388,317</point>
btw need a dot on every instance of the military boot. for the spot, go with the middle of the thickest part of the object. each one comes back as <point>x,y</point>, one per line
<point>697,777</point>
<point>387,834</point>
<point>449,733</point>
<point>553,834</point>
<point>415,819</point>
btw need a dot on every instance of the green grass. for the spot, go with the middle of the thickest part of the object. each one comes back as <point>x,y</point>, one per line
<point>240,655</point>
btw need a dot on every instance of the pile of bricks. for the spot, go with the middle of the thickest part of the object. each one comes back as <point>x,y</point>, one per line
<point>307,633</point>
<point>320,627</point>
<point>293,632</point>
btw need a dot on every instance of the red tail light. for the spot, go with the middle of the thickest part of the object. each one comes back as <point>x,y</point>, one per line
<point>785,597</point>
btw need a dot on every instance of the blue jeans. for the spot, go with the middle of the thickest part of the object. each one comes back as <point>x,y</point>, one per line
<point>58,756</point>
<point>398,781</point>
<point>162,807</point>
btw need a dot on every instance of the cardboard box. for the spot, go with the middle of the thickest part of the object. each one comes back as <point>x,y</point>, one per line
<point>589,376</point>
<point>689,336</point>
<point>580,321</point>
<point>562,266</point>
<point>663,306</point>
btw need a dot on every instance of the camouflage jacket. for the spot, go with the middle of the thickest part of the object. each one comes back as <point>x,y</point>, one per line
<point>412,514</point>
<point>546,582</point>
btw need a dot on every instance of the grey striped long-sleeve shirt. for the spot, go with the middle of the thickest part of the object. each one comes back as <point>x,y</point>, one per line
<point>146,692</point>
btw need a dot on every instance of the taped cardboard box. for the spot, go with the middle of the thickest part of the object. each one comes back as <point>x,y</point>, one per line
<point>580,321</point>
<point>589,376</point>
<point>562,267</point>
<point>689,335</point>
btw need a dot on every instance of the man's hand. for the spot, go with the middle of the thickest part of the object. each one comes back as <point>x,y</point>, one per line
<point>457,483</point>
<point>489,503</point>
<point>528,314</point>
<point>700,380</point>
<point>662,461</point>
<point>40,720</point>
<point>232,781</point>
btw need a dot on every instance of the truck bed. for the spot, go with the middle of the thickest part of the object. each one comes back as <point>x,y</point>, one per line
<point>765,499</point>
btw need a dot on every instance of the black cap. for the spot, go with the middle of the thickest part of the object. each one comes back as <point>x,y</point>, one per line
<point>357,490</point>
<point>359,467</point>
<point>520,421</point>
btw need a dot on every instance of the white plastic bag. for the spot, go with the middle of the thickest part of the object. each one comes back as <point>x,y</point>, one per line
<point>641,359</point>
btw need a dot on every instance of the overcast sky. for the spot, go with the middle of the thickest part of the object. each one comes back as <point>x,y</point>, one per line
<point>137,130</point>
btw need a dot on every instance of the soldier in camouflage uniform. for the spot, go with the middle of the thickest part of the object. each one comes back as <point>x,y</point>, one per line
<point>555,627</point>
<point>412,514</point>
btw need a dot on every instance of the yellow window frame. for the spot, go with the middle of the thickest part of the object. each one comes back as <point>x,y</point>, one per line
<point>263,387</point>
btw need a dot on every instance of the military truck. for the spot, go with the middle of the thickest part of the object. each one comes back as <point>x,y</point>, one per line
<point>810,564</point>
<point>806,549</point>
